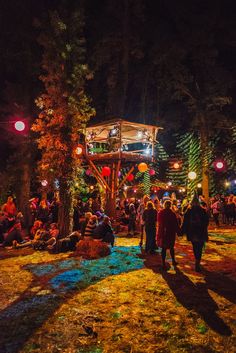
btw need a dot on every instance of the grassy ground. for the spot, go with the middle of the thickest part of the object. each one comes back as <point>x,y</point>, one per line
<point>121,303</point>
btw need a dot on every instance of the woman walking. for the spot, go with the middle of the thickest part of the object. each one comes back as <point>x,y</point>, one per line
<point>150,222</point>
<point>168,227</point>
<point>195,227</point>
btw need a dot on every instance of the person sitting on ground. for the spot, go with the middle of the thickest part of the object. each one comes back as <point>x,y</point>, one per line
<point>104,231</point>
<point>84,223</point>
<point>13,234</point>
<point>43,238</point>
<point>37,225</point>
<point>91,225</point>
<point>100,216</point>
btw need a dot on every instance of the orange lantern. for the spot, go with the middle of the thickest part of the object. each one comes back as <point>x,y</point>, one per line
<point>142,167</point>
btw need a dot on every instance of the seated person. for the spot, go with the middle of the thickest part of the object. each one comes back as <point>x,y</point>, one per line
<point>37,225</point>
<point>43,238</point>
<point>91,225</point>
<point>100,216</point>
<point>83,225</point>
<point>13,234</point>
<point>104,231</point>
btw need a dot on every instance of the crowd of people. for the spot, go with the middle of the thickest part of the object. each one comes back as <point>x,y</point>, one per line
<point>157,221</point>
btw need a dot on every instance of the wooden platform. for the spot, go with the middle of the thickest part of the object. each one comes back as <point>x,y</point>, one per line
<point>123,156</point>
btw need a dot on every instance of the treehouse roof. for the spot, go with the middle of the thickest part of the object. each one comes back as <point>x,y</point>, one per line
<point>128,131</point>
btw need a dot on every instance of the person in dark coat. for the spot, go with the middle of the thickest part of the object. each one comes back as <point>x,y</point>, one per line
<point>150,225</point>
<point>104,231</point>
<point>195,226</point>
<point>167,229</point>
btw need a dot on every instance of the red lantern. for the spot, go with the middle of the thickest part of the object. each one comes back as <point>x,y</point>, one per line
<point>130,177</point>
<point>106,171</point>
<point>152,172</point>
<point>88,172</point>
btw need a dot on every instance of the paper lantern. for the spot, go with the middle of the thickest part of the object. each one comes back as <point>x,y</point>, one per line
<point>19,126</point>
<point>119,174</point>
<point>44,182</point>
<point>142,167</point>
<point>152,172</point>
<point>88,172</point>
<point>130,177</point>
<point>192,175</point>
<point>79,150</point>
<point>106,171</point>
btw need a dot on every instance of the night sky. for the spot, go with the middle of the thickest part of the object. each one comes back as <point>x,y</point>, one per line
<point>124,42</point>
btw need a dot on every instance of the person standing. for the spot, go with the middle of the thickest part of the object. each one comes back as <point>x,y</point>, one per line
<point>195,226</point>
<point>150,225</point>
<point>167,228</point>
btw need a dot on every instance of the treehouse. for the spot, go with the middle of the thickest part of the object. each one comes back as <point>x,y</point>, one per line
<point>118,145</point>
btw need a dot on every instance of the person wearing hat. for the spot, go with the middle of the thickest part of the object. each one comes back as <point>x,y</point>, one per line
<point>195,226</point>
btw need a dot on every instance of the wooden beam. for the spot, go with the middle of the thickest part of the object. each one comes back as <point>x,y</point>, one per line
<point>125,178</point>
<point>99,175</point>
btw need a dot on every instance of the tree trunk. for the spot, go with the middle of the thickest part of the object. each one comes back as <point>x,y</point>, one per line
<point>125,59</point>
<point>65,216</point>
<point>204,141</point>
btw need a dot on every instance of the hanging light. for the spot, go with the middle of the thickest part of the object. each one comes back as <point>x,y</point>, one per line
<point>199,185</point>
<point>19,126</point>
<point>176,165</point>
<point>44,182</point>
<point>169,183</point>
<point>79,150</point>
<point>152,172</point>
<point>106,171</point>
<point>130,177</point>
<point>192,175</point>
<point>142,167</point>
<point>140,134</point>
<point>227,183</point>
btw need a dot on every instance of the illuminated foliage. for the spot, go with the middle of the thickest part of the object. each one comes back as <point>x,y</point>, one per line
<point>65,108</point>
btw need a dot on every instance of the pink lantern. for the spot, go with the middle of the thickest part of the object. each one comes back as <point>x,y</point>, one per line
<point>130,177</point>
<point>106,171</point>
<point>88,172</point>
<point>119,174</point>
<point>152,172</point>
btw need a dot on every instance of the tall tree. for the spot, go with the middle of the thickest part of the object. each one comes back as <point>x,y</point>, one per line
<point>65,107</point>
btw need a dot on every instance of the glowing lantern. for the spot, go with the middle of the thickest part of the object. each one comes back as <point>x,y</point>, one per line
<point>130,177</point>
<point>142,167</point>
<point>106,171</point>
<point>199,185</point>
<point>119,174</point>
<point>19,126</point>
<point>152,172</point>
<point>88,172</point>
<point>219,165</point>
<point>44,182</point>
<point>192,175</point>
<point>176,165</point>
<point>79,150</point>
